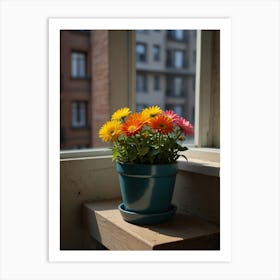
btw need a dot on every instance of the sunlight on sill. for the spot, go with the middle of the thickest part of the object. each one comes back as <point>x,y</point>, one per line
<point>204,161</point>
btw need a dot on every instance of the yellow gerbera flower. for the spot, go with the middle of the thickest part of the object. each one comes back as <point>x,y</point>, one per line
<point>151,111</point>
<point>110,131</point>
<point>120,114</point>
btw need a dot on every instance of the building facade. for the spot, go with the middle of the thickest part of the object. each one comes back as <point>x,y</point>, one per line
<point>84,87</point>
<point>165,70</point>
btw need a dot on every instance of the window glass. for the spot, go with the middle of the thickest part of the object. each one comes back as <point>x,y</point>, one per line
<point>141,83</point>
<point>178,59</point>
<point>179,34</point>
<point>78,65</point>
<point>156,53</point>
<point>156,83</point>
<point>79,114</point>
<point>178,86</point>
<point>141,52</point>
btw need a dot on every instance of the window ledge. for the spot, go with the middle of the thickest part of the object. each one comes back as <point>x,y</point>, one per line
<point>104,223</point>
<point>209,168</point>
<point>204,161</point>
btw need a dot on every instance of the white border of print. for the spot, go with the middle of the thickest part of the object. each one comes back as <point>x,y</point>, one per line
<point>57,24</point>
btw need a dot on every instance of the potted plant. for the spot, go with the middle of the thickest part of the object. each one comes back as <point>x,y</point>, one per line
<point>146,146</point>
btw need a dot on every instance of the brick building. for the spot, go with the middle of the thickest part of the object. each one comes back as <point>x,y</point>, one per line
<point>84,87</point>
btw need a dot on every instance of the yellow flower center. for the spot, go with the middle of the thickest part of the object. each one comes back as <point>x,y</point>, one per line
<point>131,128</point>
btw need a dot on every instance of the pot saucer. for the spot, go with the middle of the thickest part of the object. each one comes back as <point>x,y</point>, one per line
<point>146,219</point>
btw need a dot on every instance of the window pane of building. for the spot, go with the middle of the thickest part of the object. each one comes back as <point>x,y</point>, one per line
<point>156,53</point>
<point>156,83</point>
<point>141,83</point>
<point>179,34</point>
<point>79,114</point>
<point>178,59</point>
<point>178,82</point>
<point>141,50</point>
<point>78,65</point>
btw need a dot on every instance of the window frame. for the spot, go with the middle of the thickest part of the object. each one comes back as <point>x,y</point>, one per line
<point>129,95</point>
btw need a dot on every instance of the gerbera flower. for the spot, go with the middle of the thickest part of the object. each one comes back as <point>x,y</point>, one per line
<point>185,126</point>
<point>120,114</point>
<point>172,115</point>
<point>151,111</point>
<point>162,124</point>
<point>110,131</point>
<point>134,124</point>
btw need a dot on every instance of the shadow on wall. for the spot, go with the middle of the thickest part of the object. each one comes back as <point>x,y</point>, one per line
<point>199,195</point>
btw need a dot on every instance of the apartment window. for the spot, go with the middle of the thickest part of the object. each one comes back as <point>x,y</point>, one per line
<point>179,35</point>
<point>156,52</point>
<point>178,59</point>
<point>79,114</point>
<point>141,83</point>
<point>78,65</point>
<point>178,86</point>
<point>141,52</point>
<point>156,83</point>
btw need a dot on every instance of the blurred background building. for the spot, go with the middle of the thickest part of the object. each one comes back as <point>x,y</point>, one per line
<point>165,76</point>
<point>165,70</point>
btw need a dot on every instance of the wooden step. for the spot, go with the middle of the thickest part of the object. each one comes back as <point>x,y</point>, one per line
<point>104,223</point>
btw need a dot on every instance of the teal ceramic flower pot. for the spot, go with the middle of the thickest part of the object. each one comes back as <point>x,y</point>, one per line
<point>147,189</point>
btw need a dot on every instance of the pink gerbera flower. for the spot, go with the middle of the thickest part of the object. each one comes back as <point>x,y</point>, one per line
<point>185,126</point>
<point>172,115</point>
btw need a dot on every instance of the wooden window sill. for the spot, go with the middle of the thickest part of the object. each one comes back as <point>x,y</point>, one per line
<point>104,223</point>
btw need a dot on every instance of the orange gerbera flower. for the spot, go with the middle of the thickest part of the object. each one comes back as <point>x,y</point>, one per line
<point>133,124</point>
<point>162,124</point>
